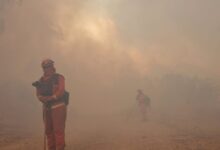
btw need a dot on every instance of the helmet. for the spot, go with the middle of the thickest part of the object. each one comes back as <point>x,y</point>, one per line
<point>47,63</point>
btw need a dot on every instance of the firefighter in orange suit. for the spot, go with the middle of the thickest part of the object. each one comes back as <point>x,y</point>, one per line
<point>51,91</point>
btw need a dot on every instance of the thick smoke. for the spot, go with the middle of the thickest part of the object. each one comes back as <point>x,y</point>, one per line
<point>109,49</point>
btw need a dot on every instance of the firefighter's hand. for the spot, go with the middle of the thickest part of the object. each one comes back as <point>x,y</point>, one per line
<point>41,98</point>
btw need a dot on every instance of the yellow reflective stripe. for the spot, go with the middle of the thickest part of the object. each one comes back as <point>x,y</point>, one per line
<point>58,105</point>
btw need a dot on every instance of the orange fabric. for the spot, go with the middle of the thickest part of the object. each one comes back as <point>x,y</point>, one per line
<point>54,120</point>
<point>59,89</point>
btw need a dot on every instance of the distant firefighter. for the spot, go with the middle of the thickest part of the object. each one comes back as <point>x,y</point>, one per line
<point>51,92</point>
<point>143,103</point>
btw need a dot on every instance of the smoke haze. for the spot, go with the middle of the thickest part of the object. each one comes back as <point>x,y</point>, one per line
<point>107,49</point>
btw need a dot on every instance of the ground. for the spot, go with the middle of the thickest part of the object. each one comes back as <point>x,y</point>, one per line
<point>120,135</point>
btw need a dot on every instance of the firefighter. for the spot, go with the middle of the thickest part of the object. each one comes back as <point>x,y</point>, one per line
<point>143,103</point>
<point>50,91</point>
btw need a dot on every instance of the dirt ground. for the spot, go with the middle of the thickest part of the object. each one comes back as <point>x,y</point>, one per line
<point>120,135</point>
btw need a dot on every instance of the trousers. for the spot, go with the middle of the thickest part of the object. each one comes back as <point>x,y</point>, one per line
<point>54,121</point>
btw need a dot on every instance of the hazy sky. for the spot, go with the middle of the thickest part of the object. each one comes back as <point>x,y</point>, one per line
<point>107,48</point>
<point>180,36</point>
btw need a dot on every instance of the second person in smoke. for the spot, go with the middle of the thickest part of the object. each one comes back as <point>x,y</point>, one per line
<point>143,103</point>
